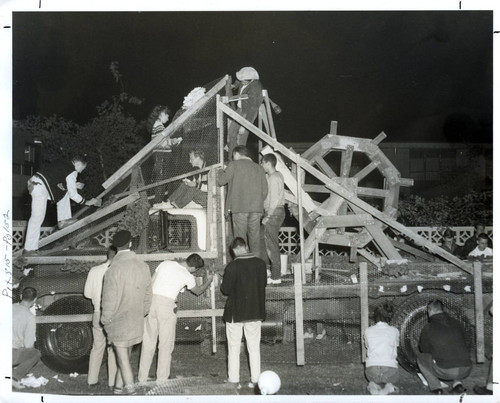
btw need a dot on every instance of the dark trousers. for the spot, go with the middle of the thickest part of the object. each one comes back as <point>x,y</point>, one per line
<point>272,241</point>
<point>23,359</point>
<point>247,226</point>
<point>184,194</point>
<point>433,373</point>
<point>159,173</point>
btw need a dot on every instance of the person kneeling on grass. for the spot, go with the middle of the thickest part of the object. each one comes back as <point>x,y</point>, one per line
<point>381,341</point>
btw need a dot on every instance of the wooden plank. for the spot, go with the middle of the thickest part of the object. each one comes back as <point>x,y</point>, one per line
<point>333,127</point>
<point>346,161</point>
<point>366,170</point>
<point>383,242</point>
<point>412,250</point>
<point>406,182</point>
<point>363,299</point>
<point>269,114</point>
<point>300,172</point>
<point>325,167</point>
<point>372,192</point>
<point>351,220</point>
<point>312,240</point>
<point>350,196</point>
<point>353,253</point>
<point>88,220</point>
<point>318,149</point>
<point>479,311</point>
<point>368,256</point>
<point>126,168</point>
<point>299,279</point>
<point>382,136</point>
<point>316,188</point>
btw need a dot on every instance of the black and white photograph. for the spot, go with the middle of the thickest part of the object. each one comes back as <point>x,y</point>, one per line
<point>220,202</point>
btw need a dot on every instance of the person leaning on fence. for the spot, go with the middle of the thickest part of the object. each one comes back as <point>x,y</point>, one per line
<point>194,189</point>
<point>482,249</point>
<point>247,189</point>
<point>247,84</point>
<point>244,283</point>
<point>382,341</point>
<point>169,279</point>
<point>93,291</point>
<point>126,299</point>
<point>444,353</point>
<point>274,215</point>
<point>448,242</point>
<point>56,182</point>
<point>158,118</point>
<point>24,354</point>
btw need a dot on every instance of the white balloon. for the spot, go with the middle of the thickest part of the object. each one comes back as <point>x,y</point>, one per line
<point>269,383</point>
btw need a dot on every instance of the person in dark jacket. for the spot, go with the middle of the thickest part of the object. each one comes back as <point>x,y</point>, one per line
<point>247,190</point>
<point>444,351</point>
<point>248,85</point>
<point>244,283</point>
<point>56,182</point>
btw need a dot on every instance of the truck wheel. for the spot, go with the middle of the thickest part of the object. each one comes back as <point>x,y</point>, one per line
<point>65,347</point>
<point>411,316</point>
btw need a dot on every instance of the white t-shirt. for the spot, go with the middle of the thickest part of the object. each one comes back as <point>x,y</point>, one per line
<point>486,252</point>
<point>170,278</point>
<point>381,341</point>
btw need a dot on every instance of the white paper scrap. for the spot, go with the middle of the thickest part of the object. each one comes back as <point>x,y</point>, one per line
<point>404,288</point>
<point>446,287</point>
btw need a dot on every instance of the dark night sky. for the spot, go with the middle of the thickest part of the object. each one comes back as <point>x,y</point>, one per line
<point>406,73</point>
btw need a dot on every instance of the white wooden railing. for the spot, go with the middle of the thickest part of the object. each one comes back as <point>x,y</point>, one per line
<point>289,237</point>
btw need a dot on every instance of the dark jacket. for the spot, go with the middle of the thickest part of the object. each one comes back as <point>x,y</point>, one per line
<point>244,283</point>
<point>54,176</point>
<point>444,338</point>
<point>247,186</point>
<point>250,106</point>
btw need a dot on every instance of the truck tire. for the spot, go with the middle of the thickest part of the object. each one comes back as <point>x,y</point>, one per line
<point>65,347</point>
<point>411,316</point>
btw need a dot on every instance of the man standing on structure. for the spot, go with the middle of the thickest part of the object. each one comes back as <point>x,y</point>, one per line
<point>169,279</point>
<point>93,291</point>
<point>274,215</point>
<point>126,299</point>
<point>244,283</point>
<point>247,189</point>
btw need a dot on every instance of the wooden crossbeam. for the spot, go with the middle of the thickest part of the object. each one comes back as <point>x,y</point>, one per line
<point>412,250</point>
<point>372,192</point>
<point>406,182</point>
<point>318,149</point>
<point>366,170</point>
<point>346,194</point>
<point>333,127</point>
<point>320,161</point>
<point>345,164</point>
<point>379,138</point>
<point>316,188</point>
<point>88,220</point>
<point>352,220</point>
<point>126,168</point>
<point>383,242</point>
<point>269,115</point>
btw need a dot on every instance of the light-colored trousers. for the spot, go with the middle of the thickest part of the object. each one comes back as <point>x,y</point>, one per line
<point>234,332</point>
<point>97,352</point>
<point>159,325</point>
<point>39,198</point>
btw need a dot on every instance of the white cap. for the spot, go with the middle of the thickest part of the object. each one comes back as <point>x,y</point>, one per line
<point>247,73</point>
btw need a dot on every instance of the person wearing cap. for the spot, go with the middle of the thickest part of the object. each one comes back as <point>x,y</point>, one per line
<point>56,182</point>
<point>126,300</point>
<point>247,84</point>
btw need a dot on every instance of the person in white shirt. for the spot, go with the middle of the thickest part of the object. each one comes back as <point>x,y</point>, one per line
<point>381,341</point>
<point>169,279</point>
<point>24,354</point>
<point>93,291</point>
<point>482,248</point>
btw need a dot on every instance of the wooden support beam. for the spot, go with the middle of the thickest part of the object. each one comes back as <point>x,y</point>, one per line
<point>349,196</point>
<point>372,192</point>
<point>383,242</point>
<point>353,253</point>
<point>352,220</point>
<point>346,161</point>
<point>318,149</point>
<point>299,279</point>
<point>103,211</point>
<point>312,240</point>
<point>479,310</point>
<point>363,299</point>
<point>126,168</point>
<point>366,170</point>
<point>379,138</point>
<point>412,250</point>
<point>323,165</point>
<point>333,127</point>
<point>269,114</point>
<point>315,188</point>
<point>368,256</point>
<point>406,182</point>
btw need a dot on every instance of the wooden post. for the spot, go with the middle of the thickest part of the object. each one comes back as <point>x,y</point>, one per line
<point>317,260</point>
<point>214,324</point>
<point>222,199</point>
<point>299,279</point>
<point>301,226</point>
<point>363,297</point>
<point>478,305</point>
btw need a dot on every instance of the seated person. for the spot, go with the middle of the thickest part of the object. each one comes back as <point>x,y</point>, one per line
<point>482,248</point>
<point>448,242</point>
<point>471,243</point>
<point>444,353</point>
<point>381,341</point>
<point>24,354</point>
<point>194,189</point>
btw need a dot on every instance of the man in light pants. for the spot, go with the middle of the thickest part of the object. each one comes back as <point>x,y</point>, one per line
<point>244,283</point>
<point>169,279</point>
<point>93,291</point>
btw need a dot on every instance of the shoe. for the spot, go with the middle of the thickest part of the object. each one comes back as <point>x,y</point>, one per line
<point>308,335</point>
<point>271,281</point>
<point>251,385</point>
<point>66,223</point>
<point>126,390</point>
<point>458,389</point>
<point>482,390</point>
<point>93,385</point>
